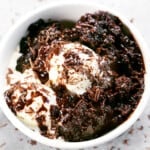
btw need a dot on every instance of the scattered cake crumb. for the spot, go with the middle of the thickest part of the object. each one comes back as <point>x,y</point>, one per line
<point>132,20</point>
<point>33,142</point>
<point>2,145</point>
<point>131,131</point>
<point>16,129</point>
<point>140,128</point>
<point>126,141</point>
<point>3,125</point>
<point>112,148</point>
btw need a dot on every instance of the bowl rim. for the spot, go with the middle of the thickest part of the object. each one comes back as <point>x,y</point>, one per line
<point>113,133</point>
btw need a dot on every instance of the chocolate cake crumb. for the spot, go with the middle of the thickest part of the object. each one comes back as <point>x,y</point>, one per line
<point>16,129</point>
<point>112,147</point>
<point>141,128</point>
<point>132,20</point>
<point>145,135</point>
<point>131,131</point>
<point>126,141</point>
<point>2,145</point>
<point>33,142</point>
<point>95,147</point>
<point>2,125</point>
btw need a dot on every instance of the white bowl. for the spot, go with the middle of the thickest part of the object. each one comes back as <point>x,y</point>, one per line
<point>72,11</point>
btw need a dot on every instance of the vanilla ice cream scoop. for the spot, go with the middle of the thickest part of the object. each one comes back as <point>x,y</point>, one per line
<point>30,100</point>
<point>74,67</point>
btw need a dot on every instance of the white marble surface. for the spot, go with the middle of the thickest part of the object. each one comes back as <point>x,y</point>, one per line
<point>136,138</point>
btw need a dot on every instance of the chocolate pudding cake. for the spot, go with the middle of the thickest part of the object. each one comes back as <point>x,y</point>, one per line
<point>76,80</point>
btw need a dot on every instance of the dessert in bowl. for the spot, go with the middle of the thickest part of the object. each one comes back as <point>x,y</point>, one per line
<point>77,79</point>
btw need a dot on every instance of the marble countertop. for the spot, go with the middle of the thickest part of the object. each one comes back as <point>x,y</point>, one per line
<point>138,136</point>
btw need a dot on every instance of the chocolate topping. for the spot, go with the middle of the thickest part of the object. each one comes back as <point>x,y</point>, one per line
<point>115,88</point>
